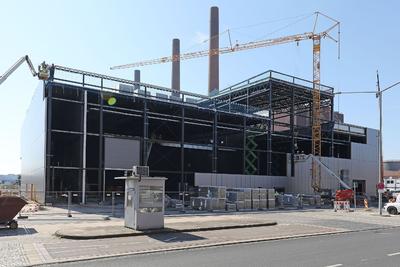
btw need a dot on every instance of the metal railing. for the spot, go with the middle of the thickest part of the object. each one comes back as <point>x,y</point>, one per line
<point>270,74</point>
<point>104,83</point>
<point>112,202</point>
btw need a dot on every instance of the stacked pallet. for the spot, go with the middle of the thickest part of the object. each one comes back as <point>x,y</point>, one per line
<point>210,198</point>
<point>241,197</point>
<point>235,197</point>
<point>219,197</point>
<point>255,198</point>
<point>263,198</point>
<point>270,198</point>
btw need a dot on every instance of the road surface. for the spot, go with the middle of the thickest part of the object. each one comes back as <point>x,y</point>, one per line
<point>367,248</point>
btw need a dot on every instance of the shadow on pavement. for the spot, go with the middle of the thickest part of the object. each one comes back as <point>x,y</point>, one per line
<point>105,210</point>
<point>17,232</point>
<point>175,237</point>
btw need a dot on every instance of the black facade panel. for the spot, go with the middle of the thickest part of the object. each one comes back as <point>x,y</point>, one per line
<point>178,138</point>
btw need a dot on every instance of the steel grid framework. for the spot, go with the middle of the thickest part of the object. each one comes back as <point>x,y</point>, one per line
<point>235,117</point>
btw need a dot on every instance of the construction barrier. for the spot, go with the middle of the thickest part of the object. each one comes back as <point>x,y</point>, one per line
<point>341,205</point>
<point>366,203</point>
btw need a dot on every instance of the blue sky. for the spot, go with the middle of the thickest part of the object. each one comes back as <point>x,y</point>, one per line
<point>94,35</point>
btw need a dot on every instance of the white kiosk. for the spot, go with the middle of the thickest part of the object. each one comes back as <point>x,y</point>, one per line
<point>144,200</point>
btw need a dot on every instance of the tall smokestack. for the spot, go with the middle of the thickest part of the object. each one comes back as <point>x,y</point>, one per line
<point>176,69</point>
<point>137,79</point>
<point>213,74</point>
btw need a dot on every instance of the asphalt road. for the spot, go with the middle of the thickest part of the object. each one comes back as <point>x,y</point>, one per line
<point>369,248</point>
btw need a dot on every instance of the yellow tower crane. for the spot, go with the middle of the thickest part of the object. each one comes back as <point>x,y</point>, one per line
<point>315,37</point>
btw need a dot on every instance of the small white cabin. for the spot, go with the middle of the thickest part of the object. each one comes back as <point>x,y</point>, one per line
<point>392,184</point>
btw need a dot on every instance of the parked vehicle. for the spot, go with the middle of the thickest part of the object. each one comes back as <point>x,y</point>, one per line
<point>392,208</point>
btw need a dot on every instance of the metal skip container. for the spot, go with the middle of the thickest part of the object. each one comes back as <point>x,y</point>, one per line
<point>144,202</point>
<point>9,208</point>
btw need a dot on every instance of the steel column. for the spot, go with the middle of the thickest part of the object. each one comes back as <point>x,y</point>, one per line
<point>332,150</point>
<point>244,144</point>
<point>182,145</point>
<point>145,131</point>
<point>84,148</point>
<point>292,169</point>
<point>48,132</point>
<point>215,144</point>
<point>101,165</point>
<point>269,134</point>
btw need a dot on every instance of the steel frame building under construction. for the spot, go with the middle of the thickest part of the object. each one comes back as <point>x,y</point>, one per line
<point>83,129</point>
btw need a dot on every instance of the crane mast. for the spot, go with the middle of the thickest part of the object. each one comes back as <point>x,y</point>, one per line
<point>316,113</point>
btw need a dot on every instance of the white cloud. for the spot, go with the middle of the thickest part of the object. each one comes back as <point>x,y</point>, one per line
<point>200,37</point>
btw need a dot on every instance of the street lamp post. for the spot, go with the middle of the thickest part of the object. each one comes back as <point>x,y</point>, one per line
<point>378,93</point>
<point>379,96</point>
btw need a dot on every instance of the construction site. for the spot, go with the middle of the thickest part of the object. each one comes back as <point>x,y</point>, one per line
<point>87,128</point>
<point>248,157</point>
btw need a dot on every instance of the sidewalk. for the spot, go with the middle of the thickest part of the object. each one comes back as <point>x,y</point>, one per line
<point>35,242</point>
<point>187,224</point>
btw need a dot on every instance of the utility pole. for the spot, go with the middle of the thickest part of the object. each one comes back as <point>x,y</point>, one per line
<point>378,94</point>
<point>355,195</point>
<point>380,179</point>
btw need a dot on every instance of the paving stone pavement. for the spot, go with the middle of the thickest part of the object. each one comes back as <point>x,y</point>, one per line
<point>12,254</point>
<point>35,243</point>
<point>95,248</point>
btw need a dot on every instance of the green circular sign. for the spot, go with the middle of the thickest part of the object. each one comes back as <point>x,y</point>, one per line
<point>111,101</point>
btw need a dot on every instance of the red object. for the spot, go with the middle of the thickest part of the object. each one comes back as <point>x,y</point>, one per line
<point>380,186</point>
<point>9,208</point>
<point>343,195</point>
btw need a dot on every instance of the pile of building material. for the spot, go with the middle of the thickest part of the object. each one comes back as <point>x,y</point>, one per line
<point>241,197</point>
<point>212,191</point>
<point>255,198</point>
<point>231,199</point>
<point>308,200</point>
<point>262,198</point>
<point>235,198</point>
<point>290,200</point>
<point>210,198</point>
<point>31,207</point>
<point>259,198</point>
<point>270,198</point>
<point>206,203</point>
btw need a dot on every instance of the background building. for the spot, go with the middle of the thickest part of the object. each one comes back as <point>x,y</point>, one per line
<point>391,168</point>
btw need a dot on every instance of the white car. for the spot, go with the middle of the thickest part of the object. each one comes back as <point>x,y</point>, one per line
<point>392,208</point>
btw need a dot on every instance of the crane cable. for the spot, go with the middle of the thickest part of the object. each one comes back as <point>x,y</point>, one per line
<point>229,30</point>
